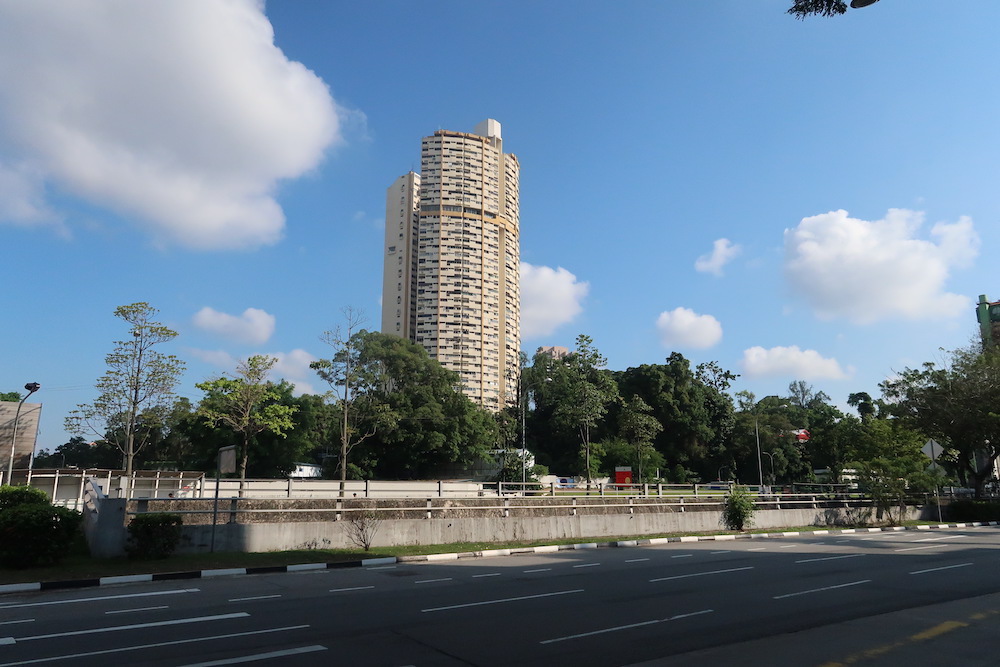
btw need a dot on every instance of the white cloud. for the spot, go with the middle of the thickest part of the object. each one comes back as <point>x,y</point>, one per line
<point>294,367</point>
<point>791,362</point>
<point>182,115</point>
<point>253,326</point>
<point>682,327</point>
<point>869,271</point>
<point>723,251</point>
<point>291,366</point>
<point>549,299</point>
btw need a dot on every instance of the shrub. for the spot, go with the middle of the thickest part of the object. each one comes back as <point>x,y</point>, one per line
<point>36,534</point>
<point>738,509</point>
<point>973,510</point>
<point>15,496</point>
<point>361,528</point>
<point>153,535</point>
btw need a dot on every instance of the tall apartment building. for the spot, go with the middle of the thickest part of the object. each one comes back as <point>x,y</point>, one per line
<point>452,255</point>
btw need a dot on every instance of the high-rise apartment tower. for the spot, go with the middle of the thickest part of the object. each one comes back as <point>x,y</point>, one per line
<point>452,255</point>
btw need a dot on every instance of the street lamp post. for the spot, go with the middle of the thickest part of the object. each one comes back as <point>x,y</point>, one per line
<point>771,459</point>
<point>31,387</point>
<point>760,468</point>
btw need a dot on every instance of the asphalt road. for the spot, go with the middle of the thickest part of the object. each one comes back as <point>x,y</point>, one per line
<point>864,598</point>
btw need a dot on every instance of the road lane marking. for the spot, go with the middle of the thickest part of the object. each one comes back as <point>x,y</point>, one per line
<point>937,569</point>
<point>636,560</point>
<point>815,560</point>
<point>939,629</point>
<point>682,556</point>
<point>502,600</point>
<point>788,546</point>
<point>491,574</point>
<point>825,588</point>
<point>713,553</point>
<point>541,569</point>
<point>149,646</point>
<point>626,627</point>
<point>134,626</point>
<point>127,611</point>
<point>702,574</point>
<point>255,597</point>
<point>932,546</point>
<point>382,567</point>
<point>758,549</point>
<point>25,620</point>
<point>431,581</point>
<point>935,539</point>
<point>352,588</point>
<point>593,564</point>
<point>260,656</point>
<point>102,597</point>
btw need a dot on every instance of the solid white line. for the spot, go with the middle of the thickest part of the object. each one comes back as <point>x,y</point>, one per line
<point>127,611</point>
<point>636,560</point>
<point>102,597</point>
<point>260,656</point>
<point>946,567</point>
<point>135,626</point>
<point>589,564</point>
<point>491,574</point>
<point>825,588</point>
<point>255,597</point>
<point>432,581</point>
<point>541,569</point>
<point>626,627</point>
<point>523,597</point>
<point>702,574</point>
<point>148,646</point>
<point>26,620</point>
<point>352,588</point>
<point>816,560</point>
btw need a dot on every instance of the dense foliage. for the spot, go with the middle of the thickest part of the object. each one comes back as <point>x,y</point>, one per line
<point>36,534</point>
<point>153,535</point>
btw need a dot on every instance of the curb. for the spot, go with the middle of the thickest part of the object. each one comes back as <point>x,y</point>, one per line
<point>392,560</point>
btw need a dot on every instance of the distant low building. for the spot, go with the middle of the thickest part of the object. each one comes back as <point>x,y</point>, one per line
<point>27,432</point>
<point>554,351</point>
<point>307,471</point>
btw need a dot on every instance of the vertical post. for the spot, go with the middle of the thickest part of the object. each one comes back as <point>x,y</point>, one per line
<point>440,490</point>
<point>552,489</point>
<point>367,488</point>
<point>288,492</point>
<point>55,486</point>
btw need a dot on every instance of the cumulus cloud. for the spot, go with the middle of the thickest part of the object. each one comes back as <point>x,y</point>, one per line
<point>682,327</point>
<point>723,251</point>
<point>791,362</point>
<point>181,115</point>
<point>291,366</point>
<point>868,271</point>
<point>253,326</point>
<point>549,298</point>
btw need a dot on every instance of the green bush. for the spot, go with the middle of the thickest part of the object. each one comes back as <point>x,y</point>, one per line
<point>738,509</point>
<point>35,534</point>
<point>153,535</point>
<point>973,510</point>
<point>15,496</point>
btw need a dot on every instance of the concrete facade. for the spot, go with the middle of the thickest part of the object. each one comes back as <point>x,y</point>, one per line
<point>451,278</point>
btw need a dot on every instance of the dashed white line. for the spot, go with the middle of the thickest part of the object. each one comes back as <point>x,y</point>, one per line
<point>491,574</point>
<point>932,546</point>
<point>625,627</point>
<point>714,553</point>
<point>431,581</point>
<point>128,611</point>
<point>101,597</point>
<point>260,656</point>
<point>758,549</point>
<point>587,565</point>
<point>255,597</point>
<point>816,560</point>
<point>24,620</point>
<point>500,601</point>
<point>352,588</point>
<point>682,556</point>
<point>825,588</point>
<point>135,626</point>
<point>788,546</point>
<point>937,569</point>
<point>636,560</point>
<point>540,569</point>
<point>702,574</point>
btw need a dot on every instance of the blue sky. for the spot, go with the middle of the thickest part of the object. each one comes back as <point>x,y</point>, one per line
<point>794,199</point>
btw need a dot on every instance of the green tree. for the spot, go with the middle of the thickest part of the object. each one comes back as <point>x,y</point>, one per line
<point>78,453</point>
<point>345,373</point>
<point>247,404</point>
<point>956,404</point>
<point>587,389</point>
<point>638,428</point>
<point>139,380</point>
<point>10,396</point>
